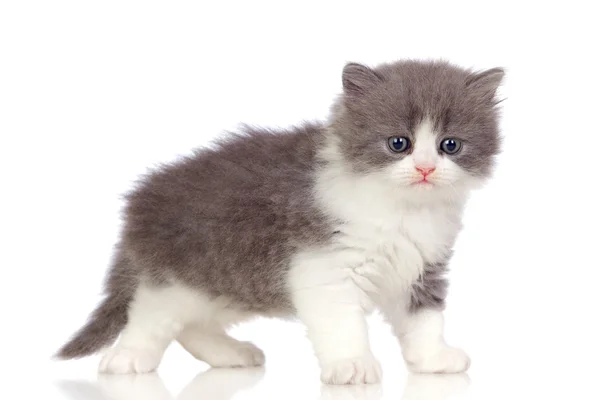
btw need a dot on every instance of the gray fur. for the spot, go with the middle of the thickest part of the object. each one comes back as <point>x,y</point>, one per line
<point>431,289</point>
<point>392,99</point>
<point>227,219</point>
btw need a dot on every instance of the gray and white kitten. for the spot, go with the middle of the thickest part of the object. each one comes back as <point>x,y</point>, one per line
<point>324,222</point>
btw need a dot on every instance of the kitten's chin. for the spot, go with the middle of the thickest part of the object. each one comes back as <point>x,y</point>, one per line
<point>434,192</point>
<point>424,189</point>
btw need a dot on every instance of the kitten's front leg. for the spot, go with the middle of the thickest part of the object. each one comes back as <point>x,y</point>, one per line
<point>423,345</point>
<point>418,322</point>
<point>329,304</point>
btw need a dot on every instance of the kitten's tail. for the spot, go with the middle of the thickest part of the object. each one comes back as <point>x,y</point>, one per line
<point>108,319</point>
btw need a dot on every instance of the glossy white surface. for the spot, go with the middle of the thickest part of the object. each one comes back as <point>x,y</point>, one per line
<point>93,93</point>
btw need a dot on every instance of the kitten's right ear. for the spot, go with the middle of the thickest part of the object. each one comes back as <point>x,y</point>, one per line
<point>485,83</point>
<point>358,78</point>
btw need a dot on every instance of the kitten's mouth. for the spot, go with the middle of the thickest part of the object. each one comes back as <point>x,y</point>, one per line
<point>422,182</point>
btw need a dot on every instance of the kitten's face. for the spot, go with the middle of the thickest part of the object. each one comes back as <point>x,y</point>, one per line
<point>425,127</point>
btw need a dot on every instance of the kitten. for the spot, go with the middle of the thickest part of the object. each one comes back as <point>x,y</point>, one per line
<point>324,222</point>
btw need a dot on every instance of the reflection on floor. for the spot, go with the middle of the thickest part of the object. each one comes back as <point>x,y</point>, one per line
<point>223,384</point>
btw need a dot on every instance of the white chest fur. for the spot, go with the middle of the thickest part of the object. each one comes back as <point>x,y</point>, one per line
<point>389,254</point>
<point>386,240</point>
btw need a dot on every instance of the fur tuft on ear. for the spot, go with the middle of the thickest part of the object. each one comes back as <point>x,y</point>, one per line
<point>358,78</point>
<point>486,83</point>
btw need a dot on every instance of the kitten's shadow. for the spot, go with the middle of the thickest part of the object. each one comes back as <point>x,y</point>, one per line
<point>436,386</point>
<point>223,384</point>
<point>351,392</point>
<point>217,384</point>
<point>418,387</point>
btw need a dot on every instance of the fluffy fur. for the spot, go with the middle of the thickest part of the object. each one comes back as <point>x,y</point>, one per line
<point>323,222</point>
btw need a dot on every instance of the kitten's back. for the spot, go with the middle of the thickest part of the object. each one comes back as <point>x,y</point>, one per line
<point>227,219</point>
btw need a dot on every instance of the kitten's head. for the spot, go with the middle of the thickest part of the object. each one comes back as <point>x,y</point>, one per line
<point>425,127</point>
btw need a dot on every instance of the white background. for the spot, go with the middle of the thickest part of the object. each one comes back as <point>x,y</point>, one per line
<point>93,93</point>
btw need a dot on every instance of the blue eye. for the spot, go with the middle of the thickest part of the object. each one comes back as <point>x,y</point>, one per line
<point>450,146</point>
<point>399,144</point>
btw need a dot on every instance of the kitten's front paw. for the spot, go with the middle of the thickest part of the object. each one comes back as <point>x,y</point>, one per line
<point>448,360</point>
<point>121,360</point>
<point>351,371</point>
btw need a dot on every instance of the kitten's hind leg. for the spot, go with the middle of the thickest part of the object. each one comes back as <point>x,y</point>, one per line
<point>156,316</point>
<point>215,347</point>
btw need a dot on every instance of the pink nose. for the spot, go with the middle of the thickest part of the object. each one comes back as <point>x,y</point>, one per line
<point>425,170</point>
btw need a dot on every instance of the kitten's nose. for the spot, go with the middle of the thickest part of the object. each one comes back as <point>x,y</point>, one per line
<point>425,170</point>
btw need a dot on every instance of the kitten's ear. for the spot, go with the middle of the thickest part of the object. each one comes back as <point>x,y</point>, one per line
<point>485,83</point>
<point>358,78</point>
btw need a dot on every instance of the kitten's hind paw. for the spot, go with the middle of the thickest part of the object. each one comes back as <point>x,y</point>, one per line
<point>352,371</point>
<point>449,360</point>
<point>120,360</point>
<point>242,354</point>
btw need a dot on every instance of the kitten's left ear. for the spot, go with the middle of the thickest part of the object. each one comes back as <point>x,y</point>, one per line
<point>358,78</point>
<point>485,83</point>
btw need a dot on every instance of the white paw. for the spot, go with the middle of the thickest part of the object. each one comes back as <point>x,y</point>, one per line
<point>352,371</point>
<point>120,360</point>
<point>448,360</point>
<point>242,354</point>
